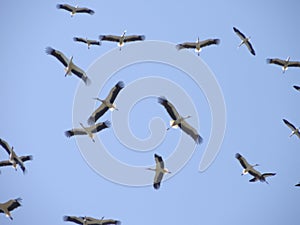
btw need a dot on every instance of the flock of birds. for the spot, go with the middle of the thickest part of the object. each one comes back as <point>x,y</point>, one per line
<point>108,104</point>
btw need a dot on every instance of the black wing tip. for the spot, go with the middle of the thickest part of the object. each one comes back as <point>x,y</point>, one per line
<point>162,100</point>
<point>156,186</point>
<point>253,52</point>
<point>268,60</point>
<point>142,37</point>
<point>101,37</point>
<point>68,133</point>
<point>30,157</point>
<point>59,6</point>
<point>199,139</point>
<point>238,155</point>
<point>297,185</point>
<point>107,123</point>
<point>235,29</point>
<point>285,121</point>
<point>19,200</point>
<point>118,222</point>
<point>87,80</point>
<point>296,87</point>
<point>66,218</point>
<point>179,46</point>
<point>120,84</point>
<point>217,41</point>
<point>91,120</point>
<point>75,38</point>
<point>49,50</point>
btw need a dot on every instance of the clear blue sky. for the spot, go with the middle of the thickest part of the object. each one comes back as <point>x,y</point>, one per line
<point>37,102</point>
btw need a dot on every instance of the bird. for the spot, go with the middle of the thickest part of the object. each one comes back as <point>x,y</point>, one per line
<point>179,121</point>
<point>245,40</point>
<point>22,158</point>
<point>198,45</point>
<point>88,130</point>
<point>250,169</point>
<point>122,39</point>
<point>296,87</point>
<point>70,67</point>
<point>9,206</point>
<point>107,103</point>
<point>160,170</point>
<point>293,128</point>
<point>74,9</point>
<point>14,159</point>
<point>297,185</point>
<point>85,220</point>
<point>284,63</point>
<point>87,41</point>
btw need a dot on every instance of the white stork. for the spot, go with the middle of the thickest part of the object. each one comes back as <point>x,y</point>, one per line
<point>14,159</point>
<point>87,41</point>
<point>85,220</point>
<point>293,128</point>
<point>179,121</point>
<point>296,87</point>
<point>70,67</point>
<point>245,40</point>
<point>250,169</point>
<point>9,163</point>
<point>88,130</point>
<point>122,39</point>
<point>160,170</point>
<point>107,103</point>
<point>198,45</point>
<point>74,9</point>
<point>284,63</point>
<point>9,206</point>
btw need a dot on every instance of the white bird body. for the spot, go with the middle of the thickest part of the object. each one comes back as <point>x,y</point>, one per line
<point>257,176</point>
<point>295,131</point>
<point>160,170</point>
<point>70,67</point>
<point>9,206</point>
<point>198,45</point>
<point>14,159</point>
<point>245,40</point>
<point>179,121</point>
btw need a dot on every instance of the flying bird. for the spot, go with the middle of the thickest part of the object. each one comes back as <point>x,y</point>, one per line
<point>160,170</point>
<point>74,9</point>
<point>85,220</point>
<point>179,121</point>
<point>293,128</point>
<point>107,103</point>
<point>9,206</point>
<point>245,40</point>
<point>198,45</point>
<point>122,39</point>
<point>250,169</point>
<point>284,63</point>
<point>87,41</point>
<point>296,87</point>
<point>70,67</point>
<point>9,163</point>
<point>90,131</point>
<point>14,159</point>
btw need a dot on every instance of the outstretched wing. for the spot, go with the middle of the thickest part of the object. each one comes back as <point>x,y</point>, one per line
<point>59,55</point>
<point>100,126</point>
<point>65,7</point>
<point>75,131</point>
<point>134,38</point>
<point>13,204</point>
<point>294,64</point>
<point>242,160</point>
<point>5,145</point>
<point>209,42</point>
<point>290,125</point>
<point>113,38</point>
<point>239,33</point>
<point>250,47</point>
<point>169,107</point>
<point>115,91</point>
<point>191,131</point>
<point>85,10</point>
<point>97,113</point>
<point>186,45</point>
<point>81,74</point>
<point>79,39</point>
<point>73,219</point>
<point>276,61</point>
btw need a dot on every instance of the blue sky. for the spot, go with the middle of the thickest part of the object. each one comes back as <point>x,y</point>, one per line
<point>37,103</point>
